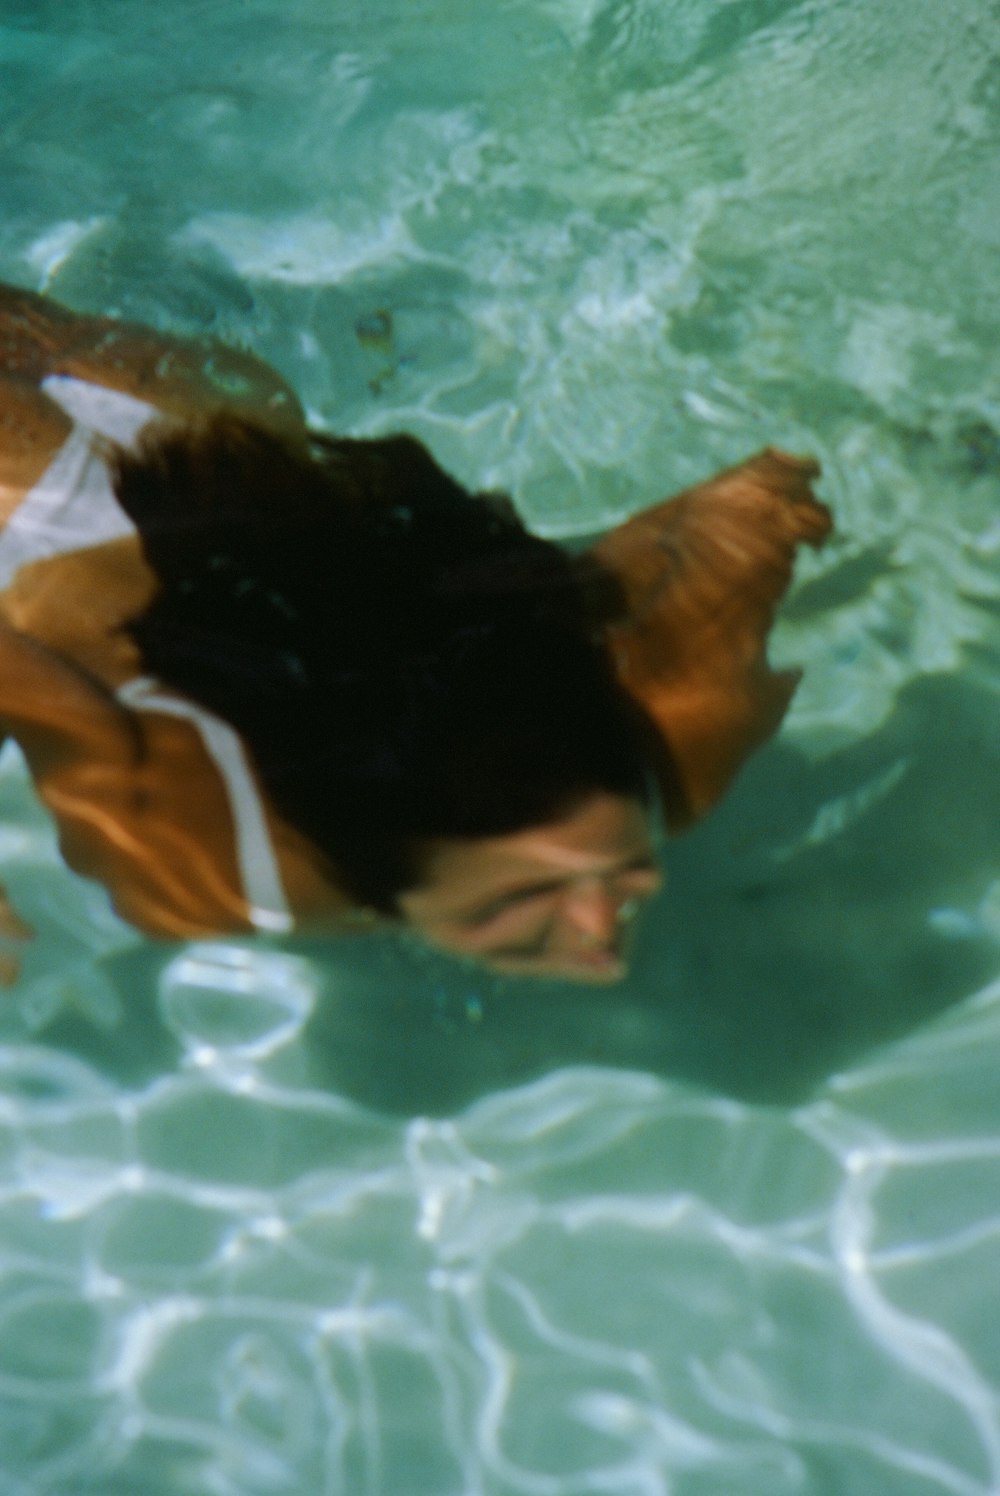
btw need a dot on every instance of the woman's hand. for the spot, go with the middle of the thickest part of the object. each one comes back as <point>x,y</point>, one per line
<point>702,576</point>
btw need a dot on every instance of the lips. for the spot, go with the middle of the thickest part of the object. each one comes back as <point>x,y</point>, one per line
<point>608,964</point>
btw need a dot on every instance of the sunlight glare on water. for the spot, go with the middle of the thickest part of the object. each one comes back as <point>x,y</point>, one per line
<point>349,1218</point>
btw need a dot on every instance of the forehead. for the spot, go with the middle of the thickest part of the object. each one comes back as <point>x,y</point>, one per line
<point>603,833</point>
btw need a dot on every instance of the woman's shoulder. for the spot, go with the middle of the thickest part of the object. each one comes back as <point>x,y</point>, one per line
<point>146,803</point>
<point>181,377</point>
<point>33,428</point>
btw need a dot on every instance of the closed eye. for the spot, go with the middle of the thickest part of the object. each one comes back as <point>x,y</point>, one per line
<point>516,899</point>
<point>523,897</point>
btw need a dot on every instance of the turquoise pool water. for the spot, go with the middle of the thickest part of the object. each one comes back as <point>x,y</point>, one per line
<point>286,1220</point>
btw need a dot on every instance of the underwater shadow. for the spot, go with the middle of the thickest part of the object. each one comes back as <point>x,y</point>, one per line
<point>826,910</point>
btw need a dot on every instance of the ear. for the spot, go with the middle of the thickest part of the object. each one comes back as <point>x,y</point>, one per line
<point>702,575</point>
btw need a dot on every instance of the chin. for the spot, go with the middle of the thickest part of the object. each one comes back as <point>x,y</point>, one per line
<point>606,974</point>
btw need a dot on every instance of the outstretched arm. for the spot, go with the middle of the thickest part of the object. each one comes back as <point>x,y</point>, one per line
<point>702,575</point>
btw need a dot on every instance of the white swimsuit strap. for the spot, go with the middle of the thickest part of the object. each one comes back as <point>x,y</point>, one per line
<point>73,505</point>
<point>255,857</point>
<point>109,413</point>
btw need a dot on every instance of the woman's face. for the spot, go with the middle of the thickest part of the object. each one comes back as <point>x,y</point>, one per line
<point>553,901</point>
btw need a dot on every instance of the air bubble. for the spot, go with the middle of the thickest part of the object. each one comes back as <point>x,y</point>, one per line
<point>230,1001</point>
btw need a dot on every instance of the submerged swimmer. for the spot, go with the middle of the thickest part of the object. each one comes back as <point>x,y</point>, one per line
<point>270,679</point>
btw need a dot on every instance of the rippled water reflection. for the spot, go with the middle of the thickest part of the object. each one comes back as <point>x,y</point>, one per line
<point>354,1219</point>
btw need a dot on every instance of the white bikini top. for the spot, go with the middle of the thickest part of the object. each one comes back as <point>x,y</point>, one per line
<point>73,507</point>
<point>267,906</point>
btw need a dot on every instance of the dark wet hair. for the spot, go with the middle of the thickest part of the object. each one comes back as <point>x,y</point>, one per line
<point>403,659</point>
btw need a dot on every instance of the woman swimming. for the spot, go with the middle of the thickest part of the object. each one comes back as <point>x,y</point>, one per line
<point>269,679</point>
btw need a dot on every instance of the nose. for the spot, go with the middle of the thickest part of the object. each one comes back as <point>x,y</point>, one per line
<point>592,912</point>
